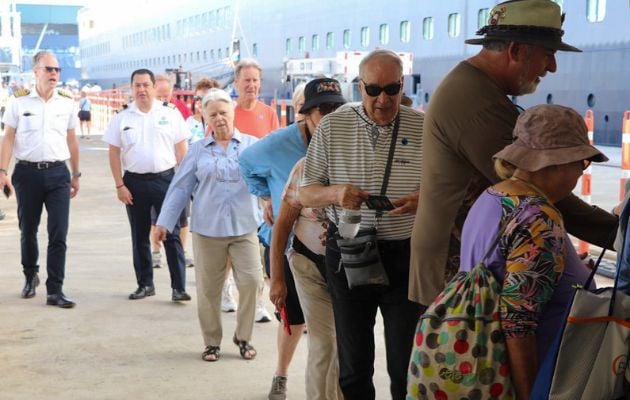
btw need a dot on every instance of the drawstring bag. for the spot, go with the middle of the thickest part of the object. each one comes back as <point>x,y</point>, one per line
<point>459,351</point>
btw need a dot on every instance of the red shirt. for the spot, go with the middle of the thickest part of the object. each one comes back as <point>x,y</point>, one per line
<point>182,107</point>
<point>258,122</point>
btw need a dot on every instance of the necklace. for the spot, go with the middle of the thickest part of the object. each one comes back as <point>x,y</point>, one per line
<point>531,186</point>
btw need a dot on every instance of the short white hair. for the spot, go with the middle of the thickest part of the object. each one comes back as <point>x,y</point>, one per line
<point>215,94</point>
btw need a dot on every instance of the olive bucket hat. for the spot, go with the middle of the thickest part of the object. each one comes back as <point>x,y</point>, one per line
<point>536,22</point>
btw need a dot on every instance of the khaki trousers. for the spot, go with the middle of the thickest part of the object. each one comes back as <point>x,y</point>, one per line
<point>322,367</point>
<point>210,256</point>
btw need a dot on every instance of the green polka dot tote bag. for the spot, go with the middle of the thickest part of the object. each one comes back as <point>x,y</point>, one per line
<point>459,351</point>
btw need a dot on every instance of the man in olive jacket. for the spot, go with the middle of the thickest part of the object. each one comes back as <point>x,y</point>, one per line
<point>469,120</point>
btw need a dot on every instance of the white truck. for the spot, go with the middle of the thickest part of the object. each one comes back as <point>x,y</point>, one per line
<point>344,67</point>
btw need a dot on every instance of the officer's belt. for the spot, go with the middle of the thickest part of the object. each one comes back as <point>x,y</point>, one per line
<point>151,175</point>
<point>41,164</point>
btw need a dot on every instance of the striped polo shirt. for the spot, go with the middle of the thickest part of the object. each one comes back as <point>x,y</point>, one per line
<point>346,148</point>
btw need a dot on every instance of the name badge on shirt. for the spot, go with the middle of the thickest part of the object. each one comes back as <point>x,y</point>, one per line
<point>163,121</point>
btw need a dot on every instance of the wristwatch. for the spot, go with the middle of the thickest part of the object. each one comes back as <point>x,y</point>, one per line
<point>76,174</point>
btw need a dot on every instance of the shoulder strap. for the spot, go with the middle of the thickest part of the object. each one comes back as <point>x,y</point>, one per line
<point>390,157</point>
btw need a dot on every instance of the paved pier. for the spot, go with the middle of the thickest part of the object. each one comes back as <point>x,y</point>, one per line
<point>109,347</point>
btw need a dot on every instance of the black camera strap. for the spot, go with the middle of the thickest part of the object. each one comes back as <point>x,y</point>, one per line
<point>388,166</point>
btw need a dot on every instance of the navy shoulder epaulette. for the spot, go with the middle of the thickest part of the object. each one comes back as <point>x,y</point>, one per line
<point>124,107</point>
<point>64,94</point>
<point>169,105</point>
<point>21,93</point>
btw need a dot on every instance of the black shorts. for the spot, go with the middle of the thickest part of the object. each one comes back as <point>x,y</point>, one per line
<point>183,219</point>
<point>85,116</point>
<point>294,309</point>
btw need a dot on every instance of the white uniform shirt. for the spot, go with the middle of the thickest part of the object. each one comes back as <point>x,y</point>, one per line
<point>147,140</point>
<point>41,127</point>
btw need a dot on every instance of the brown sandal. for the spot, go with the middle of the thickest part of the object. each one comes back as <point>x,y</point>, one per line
<point>248,352</point>
<point>211,353</point>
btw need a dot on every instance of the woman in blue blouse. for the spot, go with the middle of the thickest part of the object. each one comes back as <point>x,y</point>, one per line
<point>223,222</point>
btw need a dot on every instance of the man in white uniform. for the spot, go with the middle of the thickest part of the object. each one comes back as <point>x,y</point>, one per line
<point>150,138</point>
<point>40,133</point>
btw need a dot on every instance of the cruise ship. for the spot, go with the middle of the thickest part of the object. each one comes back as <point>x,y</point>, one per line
<point>205,38</point>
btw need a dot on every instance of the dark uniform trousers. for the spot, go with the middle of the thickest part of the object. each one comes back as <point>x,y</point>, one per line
<point>149,190</point>
<point>37,185</point>
<point>355,314</point>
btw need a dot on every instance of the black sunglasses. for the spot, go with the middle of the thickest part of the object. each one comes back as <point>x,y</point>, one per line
<point>327,108</point>
<point>375,90</point>
<point>51,69</point>
<point>198,98</point>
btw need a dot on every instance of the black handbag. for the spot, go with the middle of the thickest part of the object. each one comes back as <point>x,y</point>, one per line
<point>360,256</point>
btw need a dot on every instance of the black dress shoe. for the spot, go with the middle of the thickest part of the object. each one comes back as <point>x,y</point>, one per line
<point>59,300</point>
<point>180,295</point>
<point>142,292</point>
<point>29,286</point>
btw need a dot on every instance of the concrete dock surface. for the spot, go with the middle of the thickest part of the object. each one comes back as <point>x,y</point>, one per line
<point>109,347</point>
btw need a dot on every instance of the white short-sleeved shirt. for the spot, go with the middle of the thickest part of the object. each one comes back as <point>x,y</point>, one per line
<point>41,127</point>
<point>147,140</point>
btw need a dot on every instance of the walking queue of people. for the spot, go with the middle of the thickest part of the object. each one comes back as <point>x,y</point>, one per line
<point>474,164</point>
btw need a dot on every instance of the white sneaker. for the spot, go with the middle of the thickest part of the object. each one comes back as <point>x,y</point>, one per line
<point>188,261</point>
<point>156,259</point>
<point>262,315</point>
<point>227,301</point>
<point>278,388</point>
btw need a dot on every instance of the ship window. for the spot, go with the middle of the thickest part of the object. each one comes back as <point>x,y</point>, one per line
<point>428,28</point>
<point>301,44</point>
<point>287,46</point>
<point>549,98</point>
<point>212,54</point>
<point>227,52</point>
<point>330,40</point>
<point>454,24</point>
<point>590,100</point>
<point>405,31</point>
<point>595,10</point>
<point>365,36</point>
<point>219,54</point>
<point>347,39</point>
<point>482,17</point>
<point>205,55</point>
<point>315,42</point>
<point>198,58</point>
<point>383,33</point>
<point>255,49</point>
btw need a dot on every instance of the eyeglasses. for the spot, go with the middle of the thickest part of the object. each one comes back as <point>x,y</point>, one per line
<point>51,69</point>
<point>327,108</point>
<point>375,90</point>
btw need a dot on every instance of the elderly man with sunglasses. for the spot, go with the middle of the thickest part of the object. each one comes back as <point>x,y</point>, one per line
<point>40,133</point>
<point>347,162</point>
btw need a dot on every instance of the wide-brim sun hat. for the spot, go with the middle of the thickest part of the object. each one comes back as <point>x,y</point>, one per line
<point>549,135</point>
<point>536,22</point>
<point>320,91</point>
